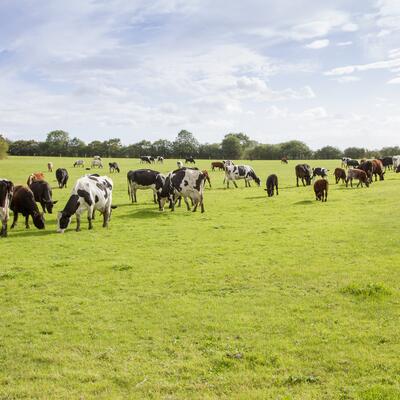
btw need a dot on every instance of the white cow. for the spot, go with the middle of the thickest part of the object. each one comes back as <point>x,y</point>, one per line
<point>396,162</point>
<point>6,192</point>
<point>235,172</point>
<point>90,193</point>
<point>96,163</point>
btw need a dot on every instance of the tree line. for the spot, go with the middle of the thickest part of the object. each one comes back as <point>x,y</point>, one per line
<point>233,146</point>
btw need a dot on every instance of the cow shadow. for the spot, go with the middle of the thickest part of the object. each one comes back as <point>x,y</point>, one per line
<point>143,213</point>
<point>256,197</point>
<point>30,232</point>
<point>303,202</point>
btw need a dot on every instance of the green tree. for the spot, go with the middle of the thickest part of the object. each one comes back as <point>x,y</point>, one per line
<point>3,147</point>
<point>185,145</point>
<point>231,147</point>
<point>162,147</point>
<point>295,149</point>
<point>57,142</point>
<point>328,153</point>
<point>113,147</point>
<point>76,147</point>
<point>354,152</point>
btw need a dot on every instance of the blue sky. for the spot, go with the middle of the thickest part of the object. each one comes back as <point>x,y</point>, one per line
<point>325,72</point>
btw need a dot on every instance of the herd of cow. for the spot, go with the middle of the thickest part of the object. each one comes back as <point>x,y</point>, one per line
<point>93,192</point>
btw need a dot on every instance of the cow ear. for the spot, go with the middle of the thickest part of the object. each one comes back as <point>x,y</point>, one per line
<point>114,207</point>
<point>55,202</point>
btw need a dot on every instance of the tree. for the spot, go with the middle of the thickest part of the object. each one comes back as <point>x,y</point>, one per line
<point>76,147</point>
<point>185,145</point>
<point>328,153</point>
<point>57,142</point>
<point>3,147</point>
<point>295,149</point>
<point>24,148</point>
<point>113,147</point>
<point>354,152</point>
<point>162,147</point>
<point>231,147</point>
<point>390,151</point>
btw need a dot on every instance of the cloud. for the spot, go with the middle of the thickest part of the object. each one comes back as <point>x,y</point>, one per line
<point>318,44</point>
<point>348,43</point>
<point>347,79</point>
<point>387,64</point>
<point>394,81</point>
<point>350,27</point>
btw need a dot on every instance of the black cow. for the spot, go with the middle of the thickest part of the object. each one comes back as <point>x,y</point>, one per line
<point>145,159</point>
<point>114,167</point>
<point>144,179</point>
<point>6,192</point>
<point>43,195</point>
<point>352,163</point>
<point>272,183</point>
<point>304,172</point>
<point>23,201</point>
<point>367,167</point>
<point>190,160</point>
<point>62,177</point>
<point>387,162</point>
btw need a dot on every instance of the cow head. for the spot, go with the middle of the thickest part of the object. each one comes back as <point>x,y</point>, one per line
<point>63,220</point>
<point>38,220</point>
<point>49,206</point>
<point>257,180</point>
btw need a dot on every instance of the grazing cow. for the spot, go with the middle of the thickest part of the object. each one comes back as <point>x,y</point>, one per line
<point>340,174</point>
<point>387,162</point>
<point>144,179</point>
<point>396,162</point>
<point>321,189</point>
<point>322,172</point>
<point>6,193</point>
<point>145,159</point>
<point>79,163</point>
<point>358,174</point>
<point>96,163</point>
<point>90,193</point>
<point>272,184</point>
<point>160,159</point>
<point>23,201</point>
<point>352,163</point>
<point>49,167</point>
<point>62,177</point>
<point>367,167</point>
<point>304,172</point>
<point>43,194</point>
<point>206,176</point>
<point>179,164</point>
<point>227,163</point>
<point>97,158</point>
<point>114,167</point>
<point>36,176</point>
<point>217,164</point>
<point>378,170</point>
<point>284,160</point>
<point>186,183</point>
<point>190,160</point>
<point>344,161</point>
<point>235,172</point>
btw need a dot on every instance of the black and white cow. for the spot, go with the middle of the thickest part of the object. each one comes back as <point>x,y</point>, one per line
<point>322,172</point>
<point>6,193</point>
<point>160,159</point>
<point>186,183</point>
<point>43,195</point>
<point>114,167</point>
<point>90,193</point>
<point>145,159</point>
<point>144,179</point>
<point>235,172</point>
<point>79,163</point>
<point>62,177</point>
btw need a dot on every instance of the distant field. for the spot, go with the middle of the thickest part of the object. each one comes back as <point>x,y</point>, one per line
<point>257,298</point>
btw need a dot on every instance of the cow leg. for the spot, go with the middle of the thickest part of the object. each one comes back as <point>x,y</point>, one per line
<point>15,220</point>
<point>134,195</point>
<point>187,203</point>
<point>106,218</point>
<point>3,232</point>
<point>196,203</point>
<point>297,181</point>
<point>27,222</point>
<point>179,201</point>
<point>201,203</point>
<point>276,187</point>
<point>89,217</point>
<point>154,196</point>
<point>43,204</point>
<point>94,214</point>
<point>326,196</point>
<point>234,182</point>
<point>78,222</point>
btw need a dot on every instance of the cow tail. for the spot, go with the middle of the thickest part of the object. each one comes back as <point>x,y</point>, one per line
<point>129,187</point>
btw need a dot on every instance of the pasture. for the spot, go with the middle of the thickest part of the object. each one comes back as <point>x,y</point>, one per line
<point>257,298</point>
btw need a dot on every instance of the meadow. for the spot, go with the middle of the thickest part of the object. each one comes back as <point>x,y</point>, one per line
<point>257,298</point>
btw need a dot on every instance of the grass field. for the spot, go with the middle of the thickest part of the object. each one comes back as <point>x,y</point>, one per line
<point>257,298</point>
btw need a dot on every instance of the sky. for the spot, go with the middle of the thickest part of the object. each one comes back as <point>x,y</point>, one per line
<point>324,72</point>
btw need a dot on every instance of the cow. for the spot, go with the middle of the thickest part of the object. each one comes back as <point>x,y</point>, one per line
<point>43,194</point>
<point>398,169</point>
<point>186,183</point>
<point>206,176</point>
<point>235,172</point>
<point>79,163</point>
<point>217,164</point>
<point>179,164</point>
<point>97,158</point>
<point>387,162</point>
<point>378,170</point>
<point>272,184</point>
<point>144,179</point>
<point>145,159</point>
<point>322,172</point>
<point>367,167</point>
<point>90,193</point>
<point>340,174</point>
<point>358,174</point>
<point>304,172</point>
<point>344,162</point>
<point>36,176</point>
<point>321,190</point>
<point>114,167</point>
<point>6,193</point>
<point>352,163</point>
<point>23,202</point>
<point>190,160</point>
<point>160,159</point>
<point>96,163</point>
<point>49,167</point>
<point>62,177</point>
<point>284,160</point>
<point>227,163</point>
<point>396,162</point>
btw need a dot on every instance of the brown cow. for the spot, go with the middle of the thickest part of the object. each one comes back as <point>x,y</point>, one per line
<point>358,174</point>
<point>378,170</point>
<point>35,176</point>
<point>207,176</point>
<point>304,172</point>
<point>217,164</point>
<point>340,174</point>
<point>321,189</point>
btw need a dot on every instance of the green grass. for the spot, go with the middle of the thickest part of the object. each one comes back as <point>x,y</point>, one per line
<point>281,298</point>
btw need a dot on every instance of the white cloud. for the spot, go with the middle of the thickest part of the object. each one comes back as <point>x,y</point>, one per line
<point>387,64</point>
<point>347,79</point>
<point>350,27</point>
<point>318,44</point>
<point>348,43</point>
<point>394,80</point>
